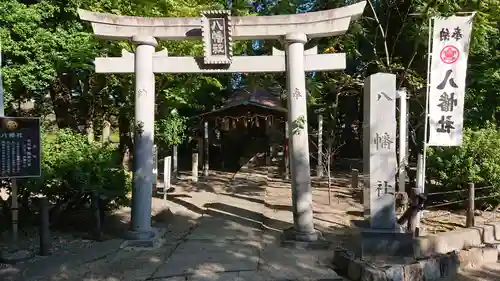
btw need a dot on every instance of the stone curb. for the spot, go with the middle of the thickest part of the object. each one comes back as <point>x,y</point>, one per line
<point>464,238</point>
<point>430,269</point>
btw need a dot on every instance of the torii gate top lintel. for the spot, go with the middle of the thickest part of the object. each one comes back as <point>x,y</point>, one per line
<point>326,23</point>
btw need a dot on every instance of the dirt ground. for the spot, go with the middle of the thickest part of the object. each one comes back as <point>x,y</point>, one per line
<point>345,205</point>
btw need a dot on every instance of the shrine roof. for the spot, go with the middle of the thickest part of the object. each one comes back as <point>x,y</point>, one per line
<point>258,98</point>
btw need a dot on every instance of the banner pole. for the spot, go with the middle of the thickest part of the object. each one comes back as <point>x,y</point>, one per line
<point>421,174</point>
<point>426,128</point>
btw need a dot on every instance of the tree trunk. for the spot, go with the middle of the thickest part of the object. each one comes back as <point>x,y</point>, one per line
<point>60,94</point>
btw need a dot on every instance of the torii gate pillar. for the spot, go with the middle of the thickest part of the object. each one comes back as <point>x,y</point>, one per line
<point>299,142</point>
<point>140,227</point>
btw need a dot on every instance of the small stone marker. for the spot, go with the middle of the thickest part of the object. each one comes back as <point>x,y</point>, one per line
<point>174,163</point>
<point>106,132</point>
<point>379,148</point>
<point>167,172</point>
<point>194,168</point>
<point>206,149</point>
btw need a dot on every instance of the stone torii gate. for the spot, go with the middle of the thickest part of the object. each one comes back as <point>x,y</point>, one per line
<point>217,29</point>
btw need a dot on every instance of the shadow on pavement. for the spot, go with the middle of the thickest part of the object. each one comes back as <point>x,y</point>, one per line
<point>215,240</point>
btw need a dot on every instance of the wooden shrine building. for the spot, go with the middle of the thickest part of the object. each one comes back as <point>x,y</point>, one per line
<point>251,122</point>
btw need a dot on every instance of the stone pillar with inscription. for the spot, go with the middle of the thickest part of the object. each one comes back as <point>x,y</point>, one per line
<point>379,149</point>
<point>142,187</point>
<point>303,229</point>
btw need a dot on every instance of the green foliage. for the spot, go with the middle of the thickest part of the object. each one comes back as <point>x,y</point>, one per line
<point>170,131</point>
<point>475,161</point>
<point>48,52</point>
<point>298,125</point>
<point>72,168</point>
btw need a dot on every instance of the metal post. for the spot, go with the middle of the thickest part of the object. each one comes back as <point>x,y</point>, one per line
<point>470,206</point>
<point>142,188</point>
<point>419,185</point>
<point>403,149</point>
<point>286,152</point>
<point>96,213</point>
<point>426,123</point>
<point>167,175</point>
<point>205,148</point>
<point>15,212</point>
<point>45,239</point>
<point>319,168</point>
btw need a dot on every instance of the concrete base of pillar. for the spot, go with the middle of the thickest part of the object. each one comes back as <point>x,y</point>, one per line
<point>292,238</point>
<point>151,239</point>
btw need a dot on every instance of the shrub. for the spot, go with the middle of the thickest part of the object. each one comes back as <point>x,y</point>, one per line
<point>477,161</point>
<point>73,168</point>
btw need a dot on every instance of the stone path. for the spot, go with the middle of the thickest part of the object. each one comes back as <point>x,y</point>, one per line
<point>220,231</point>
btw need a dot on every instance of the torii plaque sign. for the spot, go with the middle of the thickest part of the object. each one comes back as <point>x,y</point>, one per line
<point>217,29</point>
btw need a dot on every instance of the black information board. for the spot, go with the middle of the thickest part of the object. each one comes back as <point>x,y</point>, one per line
<point>20,147</point>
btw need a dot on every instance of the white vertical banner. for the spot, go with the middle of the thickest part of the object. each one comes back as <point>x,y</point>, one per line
<point>448,69</point>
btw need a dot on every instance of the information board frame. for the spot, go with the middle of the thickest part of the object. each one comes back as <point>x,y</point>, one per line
<point>10,125</point>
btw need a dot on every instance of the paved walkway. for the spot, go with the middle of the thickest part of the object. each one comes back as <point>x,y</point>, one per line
<point>215,232</point>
